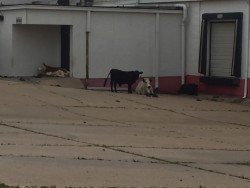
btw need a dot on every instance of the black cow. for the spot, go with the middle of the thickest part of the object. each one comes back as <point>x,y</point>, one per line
<point>189,89</point>
<point>122,77</point>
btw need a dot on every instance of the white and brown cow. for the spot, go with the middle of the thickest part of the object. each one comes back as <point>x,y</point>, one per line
<point>144,88</point>
<point>46,70</point>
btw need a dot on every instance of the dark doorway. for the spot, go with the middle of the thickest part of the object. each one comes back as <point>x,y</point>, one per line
<point>65,46</point>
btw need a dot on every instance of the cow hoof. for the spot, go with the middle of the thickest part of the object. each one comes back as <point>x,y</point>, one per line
<point>155,95</point>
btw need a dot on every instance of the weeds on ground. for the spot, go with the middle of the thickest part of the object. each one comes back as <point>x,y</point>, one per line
<point>6,186</point>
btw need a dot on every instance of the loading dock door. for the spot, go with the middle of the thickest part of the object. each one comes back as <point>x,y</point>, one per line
<point>222,48</point>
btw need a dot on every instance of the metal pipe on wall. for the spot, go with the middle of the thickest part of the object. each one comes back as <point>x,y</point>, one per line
<point>87,43</point>
<point>157,49</point>
<point>183,42</point>
<point>247,55</point>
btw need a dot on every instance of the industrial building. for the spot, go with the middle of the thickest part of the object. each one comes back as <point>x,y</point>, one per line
<point>173,42</point>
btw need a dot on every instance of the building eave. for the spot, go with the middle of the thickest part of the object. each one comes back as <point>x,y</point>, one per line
<point>94,8</point>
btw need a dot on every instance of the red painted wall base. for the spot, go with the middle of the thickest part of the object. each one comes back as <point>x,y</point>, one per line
<point>219,89</point>
<point>172,85</point>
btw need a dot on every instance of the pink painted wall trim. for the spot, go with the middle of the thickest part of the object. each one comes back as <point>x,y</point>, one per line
<point>219,89</point>
<point>172,85</point>
<point>99,82</point>
<point>169,84</point>
<point>166,84</point>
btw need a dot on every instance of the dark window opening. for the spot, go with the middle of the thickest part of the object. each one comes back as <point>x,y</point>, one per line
<point>63,2</point>
<point>65,46</point>
<point>220,48</point>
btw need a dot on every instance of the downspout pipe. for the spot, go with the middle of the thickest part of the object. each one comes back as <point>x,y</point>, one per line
<point>183,41</point>
<point>247,56</point>
<point>157,49</point>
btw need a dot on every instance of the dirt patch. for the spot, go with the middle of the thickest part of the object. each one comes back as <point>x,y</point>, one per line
<point>61,82</point>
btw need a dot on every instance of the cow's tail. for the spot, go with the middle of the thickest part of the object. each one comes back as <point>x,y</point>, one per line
<point>106,79</point>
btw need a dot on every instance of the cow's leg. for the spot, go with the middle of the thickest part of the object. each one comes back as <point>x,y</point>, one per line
<point>115,86</point>
<point>111,85</point>
<point>129,88</point>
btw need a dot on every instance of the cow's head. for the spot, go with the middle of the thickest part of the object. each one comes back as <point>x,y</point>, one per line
<point>41,69</point>
<point>137,73</point>
<point>147,83</point>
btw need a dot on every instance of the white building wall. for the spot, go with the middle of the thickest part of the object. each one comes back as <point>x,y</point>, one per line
<point>170,45</point>
<point>193,38</point>
<point>123,41</point>
<point>127,41</point>
<point>119,38</point>
<point>6,48</point>
<point>26,44</point>
<point>24,48</point>
<point>195,10</point>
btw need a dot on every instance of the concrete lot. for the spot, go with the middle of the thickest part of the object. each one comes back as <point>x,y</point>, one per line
<point>66,137</point>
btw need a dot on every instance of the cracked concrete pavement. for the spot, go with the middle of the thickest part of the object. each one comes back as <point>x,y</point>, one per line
<point>67,137</point>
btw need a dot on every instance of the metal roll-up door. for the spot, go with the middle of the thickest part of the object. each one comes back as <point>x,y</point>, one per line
<point>222,48</point>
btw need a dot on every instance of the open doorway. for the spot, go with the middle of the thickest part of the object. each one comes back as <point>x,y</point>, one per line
<point>34,45</point>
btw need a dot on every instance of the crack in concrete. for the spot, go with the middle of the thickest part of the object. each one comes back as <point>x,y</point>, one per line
<point>188,115</point>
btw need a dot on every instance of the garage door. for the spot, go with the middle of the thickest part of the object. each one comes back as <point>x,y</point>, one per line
<point>222,48</point>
